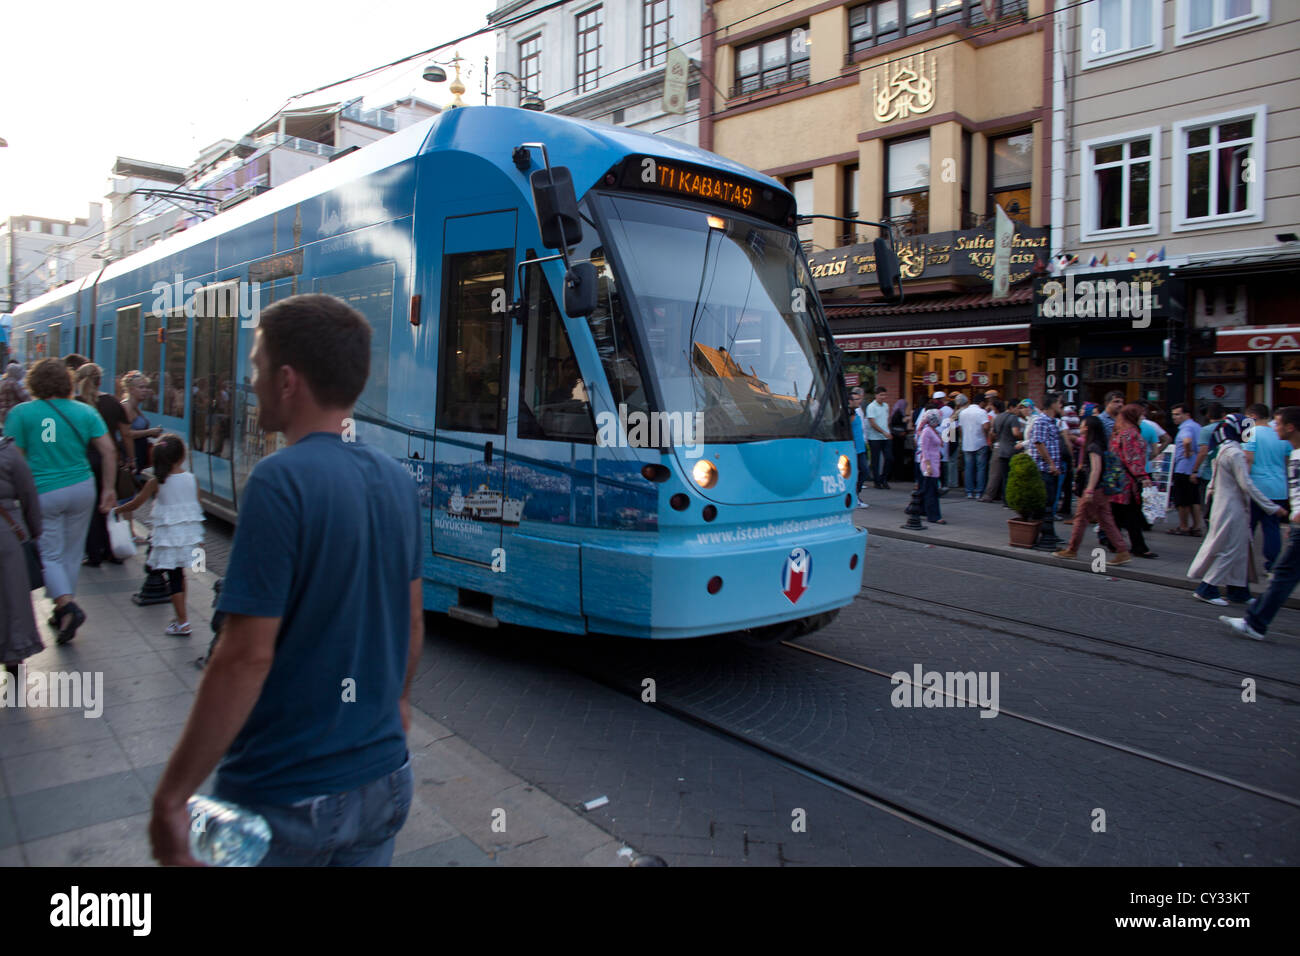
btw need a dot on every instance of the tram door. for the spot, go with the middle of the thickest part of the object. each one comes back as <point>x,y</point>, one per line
<point>470,504</point>
<point>212,441</point>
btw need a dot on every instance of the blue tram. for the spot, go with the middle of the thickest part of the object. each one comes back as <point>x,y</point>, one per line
<point>651,443</point>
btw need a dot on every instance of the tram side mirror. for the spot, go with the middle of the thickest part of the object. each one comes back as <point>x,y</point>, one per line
<point>887,271</point>
<point>557,207</point>
<point>580,290</point>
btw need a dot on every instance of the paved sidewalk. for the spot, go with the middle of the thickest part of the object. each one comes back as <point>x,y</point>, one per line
<point>76,790</point>
<point>976,526</point>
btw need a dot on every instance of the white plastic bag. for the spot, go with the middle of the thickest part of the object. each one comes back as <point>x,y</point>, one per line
<point>119,537</point>
<point>1153,503</point>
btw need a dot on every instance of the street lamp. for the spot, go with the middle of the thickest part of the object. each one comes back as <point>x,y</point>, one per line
<point>528,100</point>
<point>434,73</point>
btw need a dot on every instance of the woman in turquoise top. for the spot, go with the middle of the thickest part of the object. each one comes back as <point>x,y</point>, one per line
<point>53,432</point>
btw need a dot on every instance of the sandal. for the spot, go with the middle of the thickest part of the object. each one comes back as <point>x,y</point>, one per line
<point>176,629</point>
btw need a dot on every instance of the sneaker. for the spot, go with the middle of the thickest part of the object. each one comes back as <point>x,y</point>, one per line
<point>1065,554</point>
<point>862,499</point>
<point>176,629</point>
<point>1123,557</point>
<point>1217,602</point>
<point>73,618</point>
<point>1239,626</point>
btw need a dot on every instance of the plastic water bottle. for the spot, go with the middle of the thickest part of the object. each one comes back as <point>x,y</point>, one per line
<point>222,834</point>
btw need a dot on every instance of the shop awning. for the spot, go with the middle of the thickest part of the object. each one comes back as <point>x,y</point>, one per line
<point>1257,338</point>
<point>972,337</point>
<point>1024,295</point>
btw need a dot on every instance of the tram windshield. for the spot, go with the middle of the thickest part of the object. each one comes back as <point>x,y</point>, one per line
<point>728,317</point>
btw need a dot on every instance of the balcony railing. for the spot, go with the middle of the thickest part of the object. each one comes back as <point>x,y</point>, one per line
<point>376,118</point>
<point>298,143</point>
<point>770,80</point>
<point>913,224</point>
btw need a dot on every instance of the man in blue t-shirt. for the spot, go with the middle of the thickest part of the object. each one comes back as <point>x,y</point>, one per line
<point>1204,466</point>
<point>307,691</point>
<point>1183,490</point>
<point>1267,455</point>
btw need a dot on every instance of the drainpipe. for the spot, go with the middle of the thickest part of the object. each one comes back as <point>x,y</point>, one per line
<point>1058,131</point>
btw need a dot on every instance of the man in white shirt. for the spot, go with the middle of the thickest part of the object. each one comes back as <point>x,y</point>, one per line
<point>973,422</point>
<point>875,428</point>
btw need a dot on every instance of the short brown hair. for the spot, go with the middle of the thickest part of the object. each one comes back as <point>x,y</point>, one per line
<point>50,378</point>
<point>1132,413</point>
<point>325,340</point>
<point>75,361</point>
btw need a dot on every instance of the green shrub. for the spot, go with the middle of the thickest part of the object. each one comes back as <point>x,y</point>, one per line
<point>1026,494</point>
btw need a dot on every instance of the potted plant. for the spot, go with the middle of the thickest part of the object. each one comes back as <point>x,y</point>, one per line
<point>1026,495</point>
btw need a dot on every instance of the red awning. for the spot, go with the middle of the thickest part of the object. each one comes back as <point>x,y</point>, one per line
<point>944,303</point>
<point>1258,338</point>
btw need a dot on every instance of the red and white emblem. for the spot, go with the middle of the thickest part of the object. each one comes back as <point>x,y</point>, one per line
<point>796,575</point>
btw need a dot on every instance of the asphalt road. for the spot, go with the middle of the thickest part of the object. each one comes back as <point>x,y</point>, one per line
<point>1121,735</point>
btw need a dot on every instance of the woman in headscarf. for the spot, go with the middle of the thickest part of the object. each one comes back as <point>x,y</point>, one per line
<point>20,520</point>
<point>1226,556</point>
<point>929,455</point>
<point>898,428</point>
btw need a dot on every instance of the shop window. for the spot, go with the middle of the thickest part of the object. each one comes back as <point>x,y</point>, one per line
<point>1011,163</point>
<point>907,185</point>
<point>1120,180</point>
<point>772,62</point>
<point>1115,30</point>
<point>1219,170</point>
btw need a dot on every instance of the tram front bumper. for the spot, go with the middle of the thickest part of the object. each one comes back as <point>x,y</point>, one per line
<point>690,590</point>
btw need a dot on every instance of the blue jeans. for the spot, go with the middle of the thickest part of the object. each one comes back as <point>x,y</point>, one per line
<point>881,455</point>
<point>1272,531</point>
<point>862,470</point>
<point>930,497</point>
<point>1286,575</point>
<point>977,470</point>
<point>356,828</point>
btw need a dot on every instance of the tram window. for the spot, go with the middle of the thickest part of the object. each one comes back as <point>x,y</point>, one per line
<point>608,327</point>
<point>473,343</point>
<point>151,361</point>
<point>56,343</point>
<point>553,398</point>
<point>369,290</point>
<point>128,340</point>
<point>174,381</point>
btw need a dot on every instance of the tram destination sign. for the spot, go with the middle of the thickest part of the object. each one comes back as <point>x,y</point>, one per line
<point>702,183</point>
<point>935,255</point>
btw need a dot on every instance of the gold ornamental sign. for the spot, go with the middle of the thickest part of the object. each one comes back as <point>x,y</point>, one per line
<point>908,92</point>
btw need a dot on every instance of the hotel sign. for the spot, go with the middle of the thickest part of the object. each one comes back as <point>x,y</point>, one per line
<point>936,255</point>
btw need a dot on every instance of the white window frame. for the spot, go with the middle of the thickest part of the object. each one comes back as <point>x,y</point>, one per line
<point>1089,22</point>
<point>1254,212</point>
<point>1088,187</point>
<point>1182,16</point>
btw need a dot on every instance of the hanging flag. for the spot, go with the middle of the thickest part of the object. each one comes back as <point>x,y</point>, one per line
<point>675,75</point>
<point>1162,253</point>
<point>1151,255</point>
<point>1003,237</point>
<point>1093,261</point>
<point>1132,254</point>
<point>1105,258</point>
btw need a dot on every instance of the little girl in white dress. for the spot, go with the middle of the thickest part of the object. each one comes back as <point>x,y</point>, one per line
<point>177,521</point>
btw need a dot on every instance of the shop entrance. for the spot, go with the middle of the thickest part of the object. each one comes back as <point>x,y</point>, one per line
<point>971,372</point>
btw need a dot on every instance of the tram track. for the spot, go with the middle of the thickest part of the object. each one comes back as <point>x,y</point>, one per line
<point>923,604</point>
<point>1080,735</point>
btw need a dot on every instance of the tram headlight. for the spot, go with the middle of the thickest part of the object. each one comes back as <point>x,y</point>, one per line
<point>844,466</point>
<point>705,474</point>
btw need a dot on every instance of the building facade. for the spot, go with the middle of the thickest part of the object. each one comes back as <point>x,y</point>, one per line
<point>603,61</point>
<point>1182,124</point>
<point>38,253</point>
<point>924,113</point>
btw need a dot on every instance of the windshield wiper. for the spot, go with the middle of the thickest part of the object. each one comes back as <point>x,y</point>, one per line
<point>837,362</point>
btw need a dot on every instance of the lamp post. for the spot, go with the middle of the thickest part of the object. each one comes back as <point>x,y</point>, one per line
<point>434,73</point>
<point>528,99</point>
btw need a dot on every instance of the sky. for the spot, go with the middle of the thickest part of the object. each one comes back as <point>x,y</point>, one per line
<point>83,82</point>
